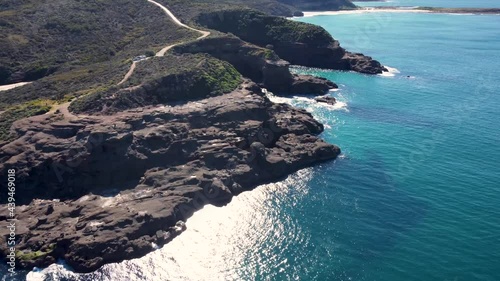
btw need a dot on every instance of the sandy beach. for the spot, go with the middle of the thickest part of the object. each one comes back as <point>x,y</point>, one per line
<point>363,11</point>
<point>494,11</point>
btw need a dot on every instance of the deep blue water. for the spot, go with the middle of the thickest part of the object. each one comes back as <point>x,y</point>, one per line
<point>415,196</point>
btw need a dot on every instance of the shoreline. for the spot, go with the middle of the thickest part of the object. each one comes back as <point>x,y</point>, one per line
<point>143,221</point>
<point>360,11</point>
<point>216,146</point>
<point>395,9</point>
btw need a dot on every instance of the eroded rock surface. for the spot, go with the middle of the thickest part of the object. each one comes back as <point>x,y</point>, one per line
<point>101,189</point>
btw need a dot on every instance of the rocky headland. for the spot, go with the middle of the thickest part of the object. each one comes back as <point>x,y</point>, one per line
<point>111,170</point>
<point>102,189</point>
<point>296,42</point>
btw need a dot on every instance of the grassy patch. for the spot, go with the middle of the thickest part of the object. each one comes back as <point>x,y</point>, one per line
<point>219,76</point>
<point>15,113</point>
<point>34,254</point>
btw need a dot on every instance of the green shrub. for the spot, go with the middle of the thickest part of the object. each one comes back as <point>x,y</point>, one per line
<point>149,53</point>
<point>263,30</point>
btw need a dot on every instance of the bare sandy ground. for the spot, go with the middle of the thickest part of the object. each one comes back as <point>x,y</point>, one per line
<point>12,86</point>
<point>203,33</point>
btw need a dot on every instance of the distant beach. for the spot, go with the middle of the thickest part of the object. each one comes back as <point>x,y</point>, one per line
<point>362,11</point>
<point>403,9</point>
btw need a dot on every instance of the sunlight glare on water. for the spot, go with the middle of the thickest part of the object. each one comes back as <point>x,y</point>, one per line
<point>223,243</point>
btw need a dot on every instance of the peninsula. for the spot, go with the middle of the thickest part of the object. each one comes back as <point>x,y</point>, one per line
<point>133,114</point>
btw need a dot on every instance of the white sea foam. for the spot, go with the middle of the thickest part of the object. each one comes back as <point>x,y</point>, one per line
<point>391,73</point>
<point>248,226</point>
<point>310,102</point>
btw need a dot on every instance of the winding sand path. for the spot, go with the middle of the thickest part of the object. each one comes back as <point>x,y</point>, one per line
<point>129,73</point>
<point>12,86</point>
<point>163,51</point>
<point>203,33</point>
<point>63,108</point>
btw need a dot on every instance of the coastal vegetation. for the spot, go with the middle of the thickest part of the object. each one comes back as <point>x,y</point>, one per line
<point>160,80</point>
<point>44,37</point>
<point>320,5</point>
<point>263,30</point>
<point>189,10</point>
<point>70,48</point>
<point>17,112</point>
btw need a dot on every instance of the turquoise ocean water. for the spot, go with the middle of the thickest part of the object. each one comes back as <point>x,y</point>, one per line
<point>415,195</point>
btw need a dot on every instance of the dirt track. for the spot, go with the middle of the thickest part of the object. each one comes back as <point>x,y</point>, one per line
<point>163,51</point>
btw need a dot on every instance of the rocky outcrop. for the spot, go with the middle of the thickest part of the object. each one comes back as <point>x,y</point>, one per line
<point>326,99</point>
<point>363,64</point>
<point>278,79</point>
<point>296,42</point>
<point>262,65</point>
<point>305,84</point>
<point>330,56</point>
<point>102,189</point>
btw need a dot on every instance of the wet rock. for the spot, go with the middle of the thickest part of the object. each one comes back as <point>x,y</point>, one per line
<point>306,84</point>
<point>327,100</point>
